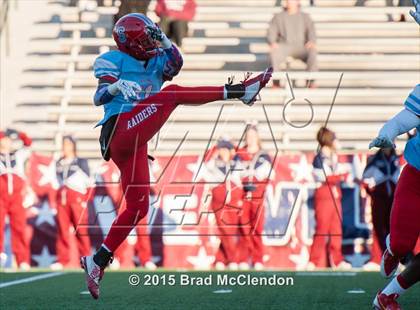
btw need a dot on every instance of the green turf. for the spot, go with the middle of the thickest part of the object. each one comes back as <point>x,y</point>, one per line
<point>320,291</point>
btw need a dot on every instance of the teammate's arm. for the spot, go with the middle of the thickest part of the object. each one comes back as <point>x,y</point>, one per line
<point>401,123</point>
<point>175,61</point>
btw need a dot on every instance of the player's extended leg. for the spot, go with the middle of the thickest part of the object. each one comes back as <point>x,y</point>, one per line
<point>381,214</point>
<point>405,226</point>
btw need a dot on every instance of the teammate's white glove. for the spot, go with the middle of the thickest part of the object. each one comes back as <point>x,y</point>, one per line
<point>382,143</point>
<point>158,35</point>
<point>128,89</point>
<point>416,14</point>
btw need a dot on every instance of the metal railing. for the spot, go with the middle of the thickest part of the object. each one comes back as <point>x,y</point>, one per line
<point>4,10</point>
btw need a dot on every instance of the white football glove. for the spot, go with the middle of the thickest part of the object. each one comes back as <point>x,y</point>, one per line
<point>382,143</point>
<point>129,89</point>
<point>158,35</point>
<point>416,14</point>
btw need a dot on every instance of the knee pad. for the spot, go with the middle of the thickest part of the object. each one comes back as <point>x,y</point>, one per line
<point>171,88</point>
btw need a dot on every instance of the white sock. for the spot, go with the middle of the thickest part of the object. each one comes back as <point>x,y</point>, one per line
<point>393,287</point>
<point>106,248</point>
<point>224,93</point>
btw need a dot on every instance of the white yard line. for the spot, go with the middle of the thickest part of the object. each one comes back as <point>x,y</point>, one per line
<point>31,279</point>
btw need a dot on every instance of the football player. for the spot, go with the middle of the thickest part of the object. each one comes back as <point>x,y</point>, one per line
<point>405,213</point>
<point>134,113</point>
<point>416,13</point>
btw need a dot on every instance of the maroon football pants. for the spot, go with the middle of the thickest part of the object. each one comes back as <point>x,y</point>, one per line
<point>129,150</point>
<point>252,227</point>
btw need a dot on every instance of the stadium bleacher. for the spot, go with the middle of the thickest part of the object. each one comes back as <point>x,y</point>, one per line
<point>379,59</point>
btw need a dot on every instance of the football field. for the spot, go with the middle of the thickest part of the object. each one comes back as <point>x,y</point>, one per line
<point>305,290</point>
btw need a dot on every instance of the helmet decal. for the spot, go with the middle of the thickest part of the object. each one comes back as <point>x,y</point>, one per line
<point>142,17</point>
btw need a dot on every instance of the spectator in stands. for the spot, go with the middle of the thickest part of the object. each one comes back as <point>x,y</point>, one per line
<point>174,18</point>
<point>327,204</point>
<point>143,246</point>
<point>390,3</point>
<point>73,177</point>
<point>223,179</point>
<point>380,179</point>
<point>12,190</point>
<point>257,170</point>
<point>291,33</point>
<point>132,6</point>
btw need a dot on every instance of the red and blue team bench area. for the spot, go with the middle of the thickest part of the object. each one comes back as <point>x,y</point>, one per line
<point>310,290</point>
<point>181,237</point>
